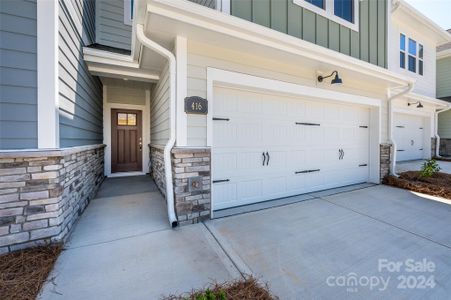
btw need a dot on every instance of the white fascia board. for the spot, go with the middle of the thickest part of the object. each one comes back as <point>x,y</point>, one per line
<point>442,36</point>
<point>93,54</point>
<point>138,75</point>
<point>209,19</point>
<point>47,74</point>
<point>444,54</point>
<point>427,99</point>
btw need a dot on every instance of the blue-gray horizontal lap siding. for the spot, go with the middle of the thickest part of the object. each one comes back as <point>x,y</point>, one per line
<point>80,94</point>
<point>18,74</point>
<point>368,44</point>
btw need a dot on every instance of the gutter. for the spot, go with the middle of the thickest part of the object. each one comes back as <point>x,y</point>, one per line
<point>146,42</point>
<point>437,137</point>
<point>390,99</point>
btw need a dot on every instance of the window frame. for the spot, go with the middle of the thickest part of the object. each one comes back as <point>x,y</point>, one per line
<point>128,12</point>
<point>329,12</point>
<point>407,54</point>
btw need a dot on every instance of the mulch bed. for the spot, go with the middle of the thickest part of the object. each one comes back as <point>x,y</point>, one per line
<point>437,185</point>
<point>23,273</point>
<point>244,289</point>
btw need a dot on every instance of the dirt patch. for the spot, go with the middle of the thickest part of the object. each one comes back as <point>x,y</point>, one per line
<point>22,273</point>
<point>245,289</point>
<point>437,185</point>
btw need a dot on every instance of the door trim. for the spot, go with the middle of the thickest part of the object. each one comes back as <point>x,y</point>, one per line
<point>145,109</point>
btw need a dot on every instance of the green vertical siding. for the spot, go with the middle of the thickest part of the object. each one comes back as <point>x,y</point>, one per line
<point>369,44</point>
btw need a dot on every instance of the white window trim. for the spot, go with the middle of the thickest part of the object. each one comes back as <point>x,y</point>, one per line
<point>47,74</point>
<point>407,54</point>
<point>328,12</point>
<point>128,12</point>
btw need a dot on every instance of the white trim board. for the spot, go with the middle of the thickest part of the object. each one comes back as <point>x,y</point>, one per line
<point>47,74</point>
<point>145,109</point>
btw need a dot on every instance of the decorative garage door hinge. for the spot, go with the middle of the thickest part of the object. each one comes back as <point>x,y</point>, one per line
<point>400,150</point>
<point>307,171</point>
<point>399,126</point>
<point>363,126</point>
<point>307,124</point>
<point>220,119</point>
<point>363,165</point>
<point>222,180</point>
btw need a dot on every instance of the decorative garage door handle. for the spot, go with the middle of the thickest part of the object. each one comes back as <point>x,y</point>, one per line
<point>341,154</point>
<point>222,180</point>
<point>412,142</point>
<point>307,124</point>
<point>307,171</point>
<point>269,157</point>
<point>264,158</point>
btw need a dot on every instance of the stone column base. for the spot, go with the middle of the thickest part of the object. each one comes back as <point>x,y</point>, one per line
<point>191,179</point>
<point>385,160</point>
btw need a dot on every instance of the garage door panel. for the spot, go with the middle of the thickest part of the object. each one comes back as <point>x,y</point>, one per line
<point>409,136</point>
<point>280,126</point>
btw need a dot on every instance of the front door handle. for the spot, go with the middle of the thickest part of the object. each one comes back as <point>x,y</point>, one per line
<point>269,157</point>
<point>264,158</point>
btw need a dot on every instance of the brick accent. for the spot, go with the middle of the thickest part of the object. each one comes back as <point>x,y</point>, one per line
<point>191,207</point>
<point>433,146</point>
<point>385,159</point>
<point>445,147</point>
<point>42,193</point>
<point>157,167</point>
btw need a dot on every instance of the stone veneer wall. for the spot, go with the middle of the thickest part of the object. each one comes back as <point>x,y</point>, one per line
<point>157,167</point>
<point>385,159</point>
<point>445,147</point>
<point>42,193</point>
<point>191,207</point>
<point>433,146</point>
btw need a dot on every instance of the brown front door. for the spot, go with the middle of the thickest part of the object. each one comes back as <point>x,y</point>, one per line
<point>126,140</point>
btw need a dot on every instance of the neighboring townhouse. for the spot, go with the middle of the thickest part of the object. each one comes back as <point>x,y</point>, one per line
<point>412,43</point>
<point>225,103</point>
<point>444,93</point>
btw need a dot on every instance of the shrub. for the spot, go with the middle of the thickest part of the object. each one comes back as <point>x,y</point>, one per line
<point>429,168</point>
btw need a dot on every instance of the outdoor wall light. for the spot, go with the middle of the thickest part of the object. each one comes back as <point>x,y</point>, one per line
<point>413,103</point>
<point>337,80</point>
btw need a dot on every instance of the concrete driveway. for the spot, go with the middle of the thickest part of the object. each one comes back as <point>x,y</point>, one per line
<point>327,246</point>
<point>311,249</point>
<point>415,165</point>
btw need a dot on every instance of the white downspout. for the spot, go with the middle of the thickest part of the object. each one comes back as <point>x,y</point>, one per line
<point>390,125</point>
<point>437,137</point>
<point>172,111</point>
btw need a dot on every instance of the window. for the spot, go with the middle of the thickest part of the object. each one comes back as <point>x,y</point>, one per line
<point>402,53</point>
<point>124,119</point>
<point>420,59</point>
<point>128,12</point>
<point>412,52</point>
<point>344,9</point>
<point>343,12</point>
<point>319,3</point>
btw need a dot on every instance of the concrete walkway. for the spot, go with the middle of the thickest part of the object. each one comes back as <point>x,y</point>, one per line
<point>123,248</point>
<point>415,165</point>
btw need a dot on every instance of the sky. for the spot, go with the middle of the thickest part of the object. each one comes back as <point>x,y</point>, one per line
<point>438,11</point>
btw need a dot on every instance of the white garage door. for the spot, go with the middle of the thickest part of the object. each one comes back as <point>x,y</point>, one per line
<point>409,136</point>
<point>271,146</point>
